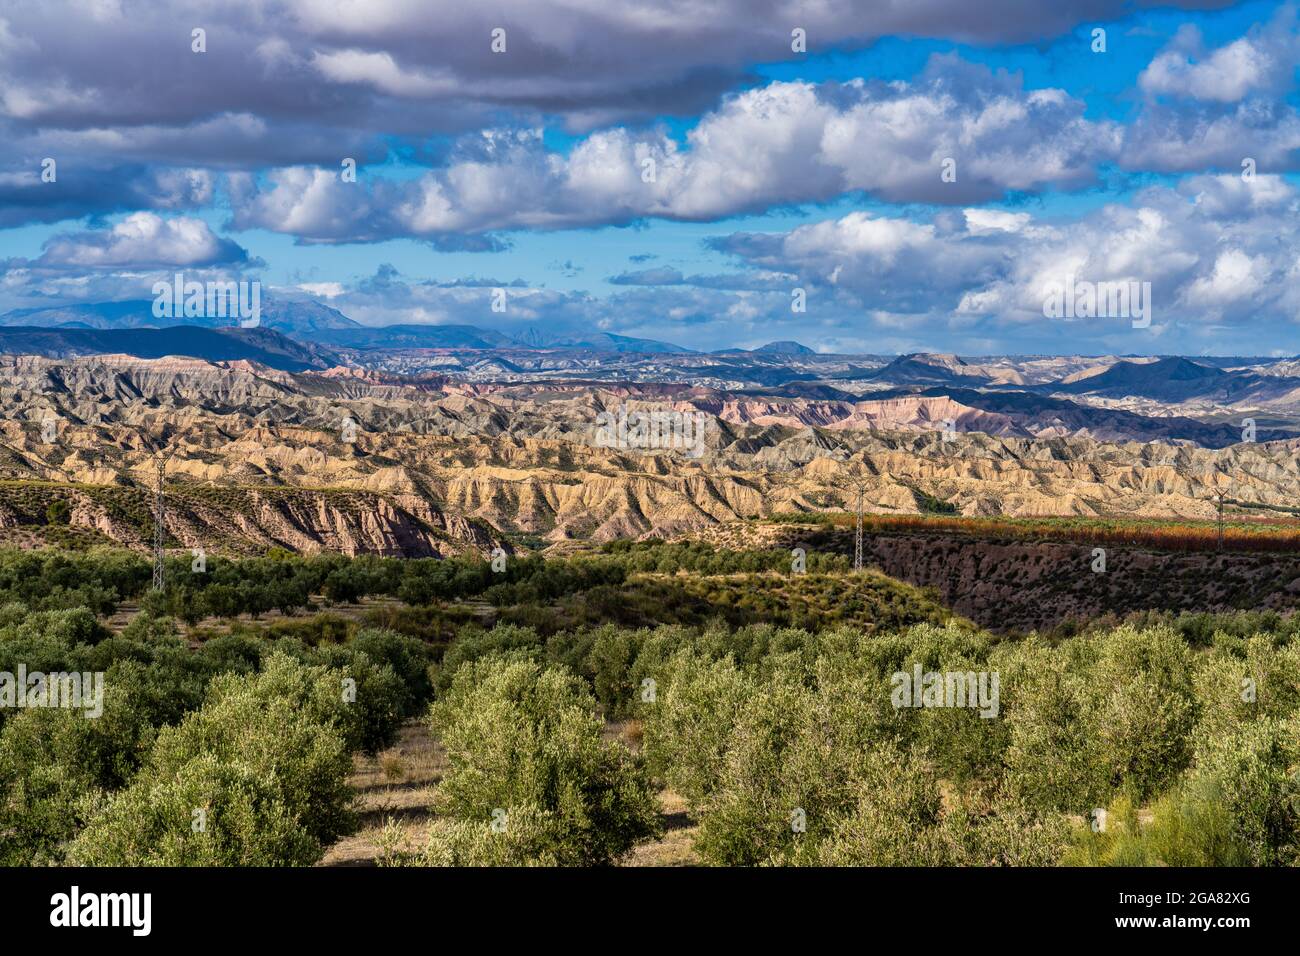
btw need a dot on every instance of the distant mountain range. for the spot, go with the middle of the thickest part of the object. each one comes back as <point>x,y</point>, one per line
<point>930,369</point>
<point>329,326</point>
<point>417,337</point>
<point>1175,380</point>
<point>284,315</point>
<point>265,346</point>
<point>784,348</point>
<point>1107,397</point>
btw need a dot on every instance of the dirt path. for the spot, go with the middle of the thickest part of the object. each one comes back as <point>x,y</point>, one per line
<point>398,785</point>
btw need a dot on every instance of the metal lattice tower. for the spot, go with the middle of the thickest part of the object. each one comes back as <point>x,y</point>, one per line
<point>160,460</point>
<point>857,538</point>
<point>841,453</point>
<point>1220,495</point>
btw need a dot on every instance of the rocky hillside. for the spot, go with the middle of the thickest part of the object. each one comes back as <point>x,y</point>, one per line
<point>526,460</point>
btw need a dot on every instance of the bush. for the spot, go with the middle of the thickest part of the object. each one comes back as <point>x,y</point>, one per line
<point>893,818</point>
<point>1239,807</point>
<point>45,786</point>
<point>58,512</point>
<point>266,758</point>
<point>209,812</point>
<point>376,700</point>
<point>1250,774</point>
<point>1100,715</point>
<point>520,736</point>
<point>520,836</point>
<point>409,658</point>
<point>473,643</point>
<point>1145,708</point>
<point>792,760</point>
<point>688,726</point>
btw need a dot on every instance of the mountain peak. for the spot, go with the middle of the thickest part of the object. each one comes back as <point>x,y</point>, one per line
<point>784,347</point>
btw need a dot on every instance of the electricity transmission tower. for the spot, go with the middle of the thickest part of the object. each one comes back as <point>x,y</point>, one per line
<point>841,453</point>
<point>1219,495</point>
<point>160,459</point>
<point>857,538</point>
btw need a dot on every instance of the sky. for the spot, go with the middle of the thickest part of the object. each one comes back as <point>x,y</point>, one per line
<point>915,175</point>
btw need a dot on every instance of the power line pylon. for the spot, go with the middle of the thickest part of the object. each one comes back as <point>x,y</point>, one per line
<point>857,538</point>
<point>839,452</point>
<point>860,486</point>
<point>1219,495</point>
<point>160,460</point>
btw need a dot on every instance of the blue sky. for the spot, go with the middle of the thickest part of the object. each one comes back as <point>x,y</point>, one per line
<point>771,170</point>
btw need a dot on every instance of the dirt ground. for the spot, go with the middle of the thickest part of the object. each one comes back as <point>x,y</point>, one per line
<point>399,785</point>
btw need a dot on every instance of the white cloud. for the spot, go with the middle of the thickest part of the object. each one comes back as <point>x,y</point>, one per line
<point>1226,75</point>
<point>778,144</point>
<point>1209,261</point>
<point>380,71</point>
<point>323,290</point>
<point>1235,276</point>
<point>1234,195</point>
<point>980,221</point>
<point>141,240</point>
<point>1261,61</point>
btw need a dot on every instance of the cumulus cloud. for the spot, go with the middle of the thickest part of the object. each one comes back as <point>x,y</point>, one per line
<point>143,240</point>
<point>380,71</point>
<point>1261,61</point>
<point>415,67</point>
<point>1224,275</point>
<point>329,80</point>
<point>1235,196</point>
<point>1214,257</point>
<point>86,190</point>
<point>289,88</point>
<point>122,261</point>
<point>1211,109</point>
<point>779,144</point>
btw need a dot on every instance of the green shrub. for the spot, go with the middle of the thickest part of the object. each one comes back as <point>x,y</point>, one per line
<point>520,836</point>
<point>1240,806</point>
<point>791,761</point>
<point>375,701</point>
<point>473,643</point>
<point>892,818</point>
<point>522,736</point>
<point>208,812</point>
<point>265,750</point>
<point>409,658</point>
<point>1145,708</point>
<point>688,726</point>
<point>1098,715</point>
